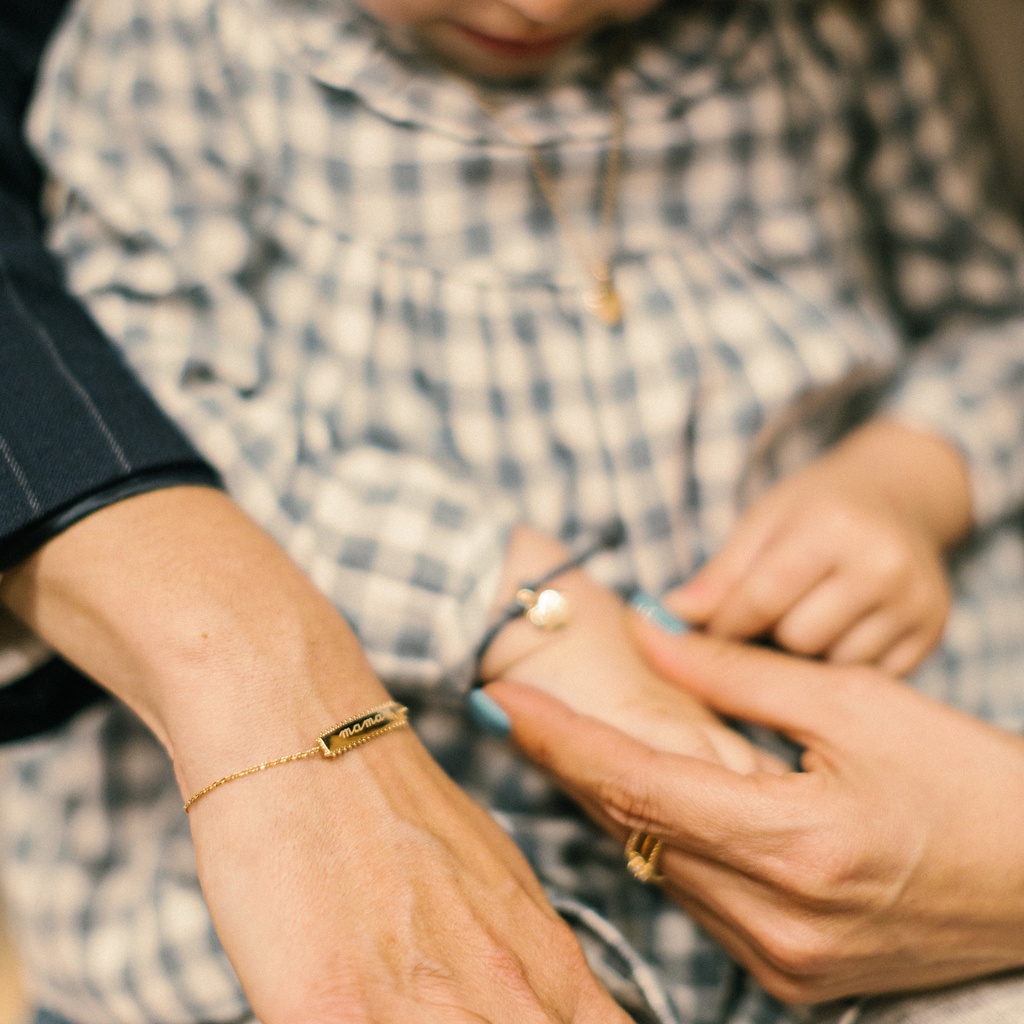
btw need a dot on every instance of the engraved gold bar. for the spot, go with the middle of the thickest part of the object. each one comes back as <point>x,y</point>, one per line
<point>363,727</point>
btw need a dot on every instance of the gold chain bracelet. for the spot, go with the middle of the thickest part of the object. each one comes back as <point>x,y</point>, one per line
<point>332,743</point>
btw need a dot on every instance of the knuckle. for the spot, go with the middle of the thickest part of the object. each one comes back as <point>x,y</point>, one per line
<point>533,993</point>
<point>568,953</point>
<point>434,987</point>
<point>935,595</point>
<point>625,800</point>
<point>792,991</point>
<point>760,597</point>
<point>726,658</point>
<point>506,969</point>
<point>799,638</point>
<point>888,560</point>
<point>910,651</point>
<point>827,886</point>
<point>797,950</point>
<point>836,519</point>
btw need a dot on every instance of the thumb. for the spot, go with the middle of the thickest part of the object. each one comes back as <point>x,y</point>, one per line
<point>697,600</point>
<point>693,804</point>
<point>791,695</point>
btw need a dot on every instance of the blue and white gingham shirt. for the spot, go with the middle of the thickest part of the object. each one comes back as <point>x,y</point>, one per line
<point>338,273</point>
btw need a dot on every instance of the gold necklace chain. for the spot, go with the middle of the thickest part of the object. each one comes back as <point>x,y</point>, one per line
<point>605,300</point>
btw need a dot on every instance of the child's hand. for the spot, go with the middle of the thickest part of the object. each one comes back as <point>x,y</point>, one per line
<point>599,673</point>
<point>593,666</point>
<point>603,677</point>
<point>844,558</point>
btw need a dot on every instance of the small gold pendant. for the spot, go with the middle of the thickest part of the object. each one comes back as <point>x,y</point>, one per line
<point>605,302</point>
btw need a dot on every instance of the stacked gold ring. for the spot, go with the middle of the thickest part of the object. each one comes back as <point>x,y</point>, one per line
<point>642,853</point>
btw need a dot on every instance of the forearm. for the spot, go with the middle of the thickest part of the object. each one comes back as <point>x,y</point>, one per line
<point>328,883</point>
<point>188,612</point>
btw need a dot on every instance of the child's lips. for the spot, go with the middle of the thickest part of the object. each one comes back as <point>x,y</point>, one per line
<point>521,47</point>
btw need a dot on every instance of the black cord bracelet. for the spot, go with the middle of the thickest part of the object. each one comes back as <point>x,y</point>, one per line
<point>607,537</point>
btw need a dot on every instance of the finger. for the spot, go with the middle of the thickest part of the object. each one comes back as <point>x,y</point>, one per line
<point>906,654</point>
<point>769,961</point>
<point>738,753</point>
<point>724,931</point>
<point>728,931</point>
<point>795,940</point>
<point>754,898</point>
<point>785,571</point>
<point>698,805</point>
<point>799,953</point>
<point>800,698</point>
<point>822,616</point>
<point>596,1006</point>
<point>699,599</point>
<point>769,763</point>
<point>870,639</point>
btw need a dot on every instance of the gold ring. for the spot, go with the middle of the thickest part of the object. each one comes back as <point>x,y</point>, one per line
<point>642,852</point>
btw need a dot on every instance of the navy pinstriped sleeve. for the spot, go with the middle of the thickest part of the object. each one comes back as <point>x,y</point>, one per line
<point>77,431</point>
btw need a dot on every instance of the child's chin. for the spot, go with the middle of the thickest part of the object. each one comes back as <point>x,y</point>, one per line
<point>465,58</point>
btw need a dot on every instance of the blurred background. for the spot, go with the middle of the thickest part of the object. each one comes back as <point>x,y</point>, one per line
<point>995,32</point>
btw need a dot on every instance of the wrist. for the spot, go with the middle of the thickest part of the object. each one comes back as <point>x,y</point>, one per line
<point>530,555</point>
<point>536,600</point>
<point>920,476</point>
<point>248,698</point>
<point>187,611</point>
<point>594,641</point>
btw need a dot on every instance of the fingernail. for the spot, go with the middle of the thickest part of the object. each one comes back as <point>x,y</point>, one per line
<point>654,611</point>
<point>488,714</point>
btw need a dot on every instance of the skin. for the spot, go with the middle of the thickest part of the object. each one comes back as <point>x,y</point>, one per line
<point>593,665</point>
<point>228,674</point>
<point>384,894</point>
<point>844,559</point>
<point>891,863</point>
<point>426,911</point>
<point>503,39</point>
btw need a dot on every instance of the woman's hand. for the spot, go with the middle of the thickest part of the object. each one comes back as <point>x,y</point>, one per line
<point>371,890</point>
<point>895,861</point>
<point>843,558</point>
<point>364,890</point>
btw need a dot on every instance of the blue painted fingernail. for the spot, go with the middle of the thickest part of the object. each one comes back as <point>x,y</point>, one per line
<point>488,714</point>
<point>654,611</point>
